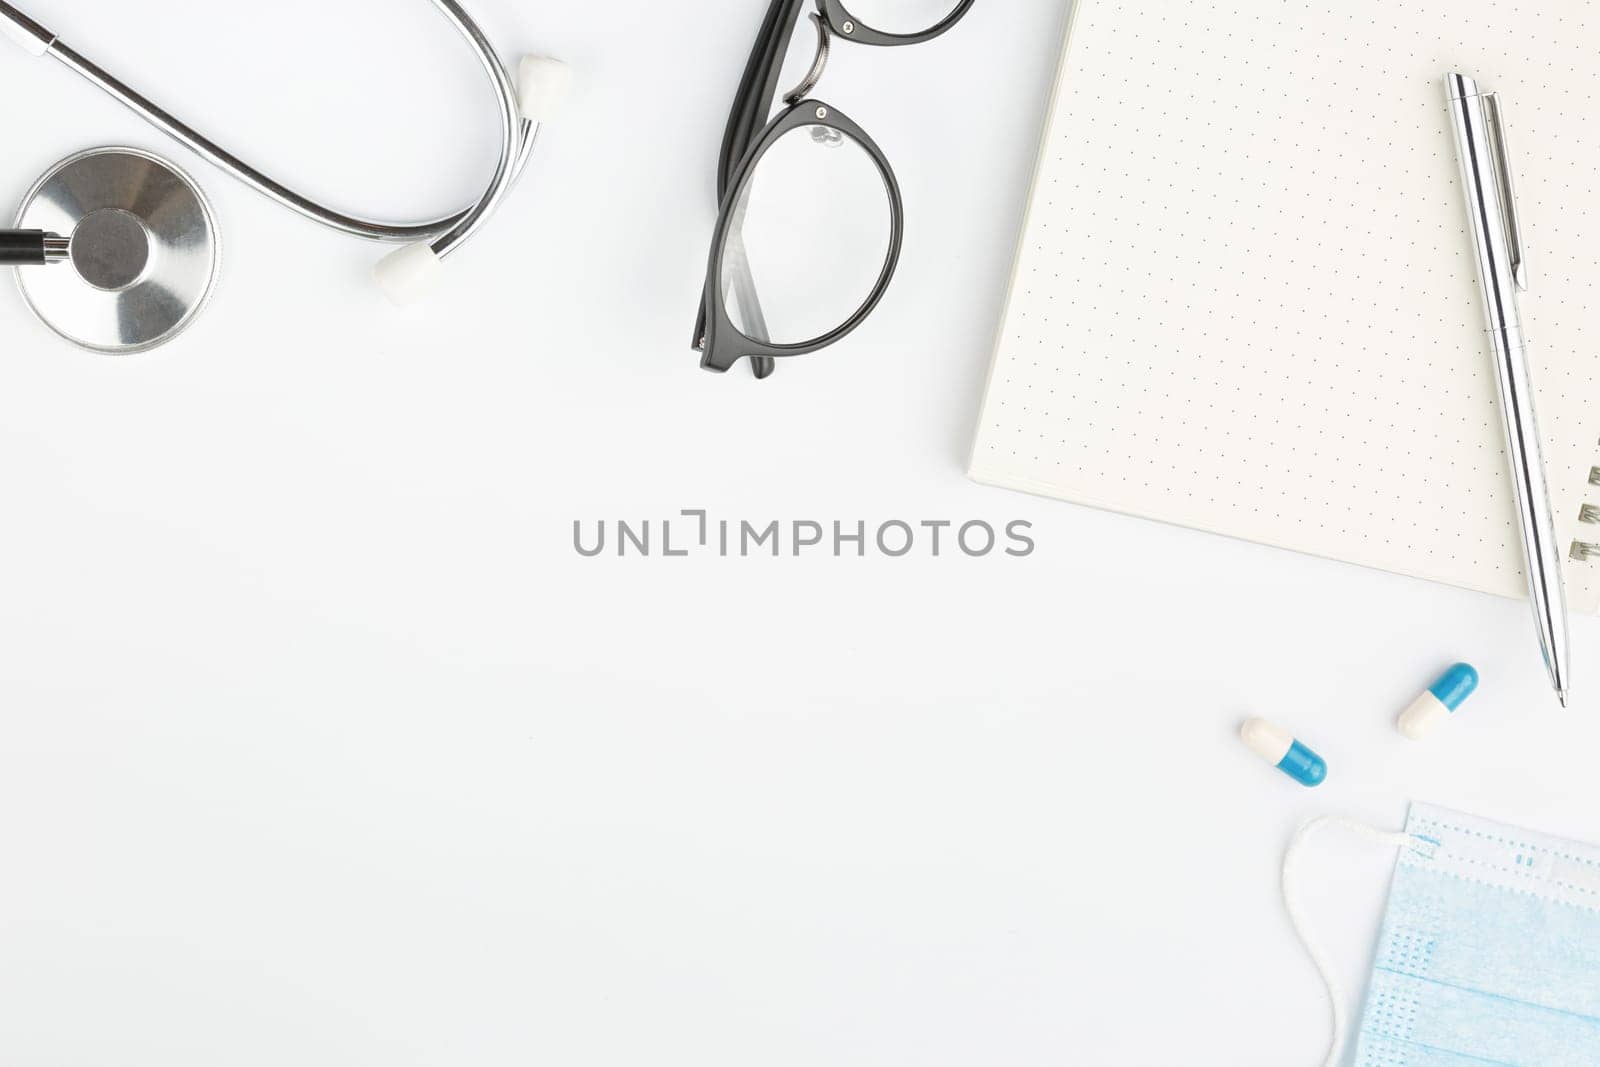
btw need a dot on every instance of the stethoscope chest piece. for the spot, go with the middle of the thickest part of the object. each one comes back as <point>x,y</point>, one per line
<point>143,250</point>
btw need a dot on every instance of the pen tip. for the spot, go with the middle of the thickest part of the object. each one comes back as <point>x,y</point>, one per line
<point>1561,695</point>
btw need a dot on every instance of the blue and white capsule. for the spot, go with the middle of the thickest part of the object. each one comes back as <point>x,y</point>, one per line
<point>1439,702</point>
<point>1279,748</point>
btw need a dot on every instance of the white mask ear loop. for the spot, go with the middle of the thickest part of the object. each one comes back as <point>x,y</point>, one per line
<point>1297,917</point>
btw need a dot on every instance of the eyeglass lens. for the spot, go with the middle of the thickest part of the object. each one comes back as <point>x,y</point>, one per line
<point>808,238</point>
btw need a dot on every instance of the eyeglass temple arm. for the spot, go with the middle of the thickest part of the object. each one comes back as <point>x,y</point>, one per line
<point>737,258</point>
<point>743,282</point>
<point>752,106</point>
<point>758,88</point>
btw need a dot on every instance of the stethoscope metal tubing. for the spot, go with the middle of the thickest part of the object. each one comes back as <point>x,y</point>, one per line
<point>446,234</point>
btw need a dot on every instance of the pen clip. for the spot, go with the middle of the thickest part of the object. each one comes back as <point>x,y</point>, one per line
<point>1508,189</point>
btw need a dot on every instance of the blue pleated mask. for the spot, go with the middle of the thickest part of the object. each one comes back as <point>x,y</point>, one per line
<point>1490,951</point>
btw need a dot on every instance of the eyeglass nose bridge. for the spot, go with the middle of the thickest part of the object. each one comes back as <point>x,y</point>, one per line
<point>819,65</point>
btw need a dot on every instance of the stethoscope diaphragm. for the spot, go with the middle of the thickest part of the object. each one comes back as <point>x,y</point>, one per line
<point>143,250</point>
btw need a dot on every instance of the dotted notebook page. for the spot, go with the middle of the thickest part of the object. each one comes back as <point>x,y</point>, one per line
<point>1246,299</point>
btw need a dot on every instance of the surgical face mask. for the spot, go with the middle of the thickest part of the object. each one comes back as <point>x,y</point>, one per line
<point>1489,953</point>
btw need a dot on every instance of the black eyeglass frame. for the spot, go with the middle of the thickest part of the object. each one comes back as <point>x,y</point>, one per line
<point>750,134</point>
<point>850,28</point>
<point>724,344</point>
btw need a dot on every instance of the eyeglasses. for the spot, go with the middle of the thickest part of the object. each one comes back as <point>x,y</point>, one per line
<point>810,206</point>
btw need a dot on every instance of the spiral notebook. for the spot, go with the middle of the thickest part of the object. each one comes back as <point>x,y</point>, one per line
<point>1244,299</point>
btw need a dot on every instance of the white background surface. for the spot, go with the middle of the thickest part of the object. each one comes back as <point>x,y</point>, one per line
<point>320,744</point>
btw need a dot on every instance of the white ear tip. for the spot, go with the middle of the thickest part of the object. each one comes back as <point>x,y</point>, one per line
<point>543,86</point>
<point>409,274</point>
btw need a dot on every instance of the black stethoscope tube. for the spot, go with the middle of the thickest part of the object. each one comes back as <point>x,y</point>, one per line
<point>31,248</point>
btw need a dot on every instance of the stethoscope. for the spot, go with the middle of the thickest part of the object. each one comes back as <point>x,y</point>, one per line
<point>138,233</point>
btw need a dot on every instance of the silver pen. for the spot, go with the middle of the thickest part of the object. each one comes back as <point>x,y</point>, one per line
<point>1502,272</point>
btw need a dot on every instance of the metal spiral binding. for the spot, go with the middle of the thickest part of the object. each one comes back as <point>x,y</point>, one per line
<point>1583,551</point>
